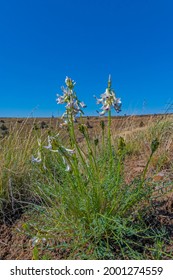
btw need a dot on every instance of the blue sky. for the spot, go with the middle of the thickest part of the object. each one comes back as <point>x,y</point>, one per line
<point>43,41</point>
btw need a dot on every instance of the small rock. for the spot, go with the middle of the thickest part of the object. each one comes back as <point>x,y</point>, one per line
<point>138,169</point>
<point>158,177</point>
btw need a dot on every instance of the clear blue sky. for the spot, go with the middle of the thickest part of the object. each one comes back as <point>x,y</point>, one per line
<point>43,41</point>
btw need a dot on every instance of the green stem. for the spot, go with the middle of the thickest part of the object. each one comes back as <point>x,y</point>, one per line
<point>92,158</point>
<point>118,174</point>
<point>109,138</point>
<point>109,127</point>
<point>76,146</point>
<point>145,170</point>
<point>103,139</point>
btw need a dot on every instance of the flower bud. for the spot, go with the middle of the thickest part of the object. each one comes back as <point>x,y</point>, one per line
<point>154,145</point>
<point>69,82</point>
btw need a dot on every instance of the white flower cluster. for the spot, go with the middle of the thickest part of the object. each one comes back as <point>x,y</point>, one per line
<point>56,148</point>
<point>73,105</point>
<point>64,152</point>
<point>109,100</point>
<point>37,159</point>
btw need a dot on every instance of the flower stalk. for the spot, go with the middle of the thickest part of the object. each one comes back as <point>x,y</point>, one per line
<point>73,108</point>
<point>108,100</point>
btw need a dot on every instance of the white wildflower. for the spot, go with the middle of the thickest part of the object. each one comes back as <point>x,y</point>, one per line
<point>36,240</point>
<point>39,142</point>
<point>49,146</point>
<point>69,82</point>
<point>73,105</point>
<point>61,150</point>
<point>71,152</point>
<point>108,99</point>
<point>82,104</point>
<point>68,168</point>
<point>36,159</point>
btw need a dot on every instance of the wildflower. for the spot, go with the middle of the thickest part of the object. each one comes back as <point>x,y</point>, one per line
<point>117,105</point>
<point>71,152</point>
<point>39,142</point>
<point>68,168</point>
<point>36,240</point>
<point>108,100</point>
<point>69,82</point>
<point>82,104</point>
<point>52,143</point>
<point>73,105</point>
<point>37,159</point>
<point>55,147</point>
<point>51,140</point>
<point>49,146</point>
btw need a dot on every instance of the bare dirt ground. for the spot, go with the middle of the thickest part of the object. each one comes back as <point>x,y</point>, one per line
<point>14,245</point>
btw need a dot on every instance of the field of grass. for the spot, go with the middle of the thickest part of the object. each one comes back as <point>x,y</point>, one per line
<point>110,196</point>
